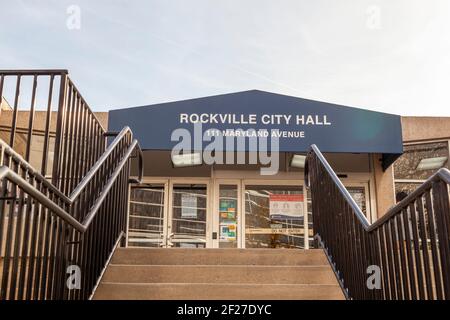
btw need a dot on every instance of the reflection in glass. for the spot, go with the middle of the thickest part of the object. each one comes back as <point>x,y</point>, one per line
<point>146,216</point>
<point>189,216</point>
<point>228,214</point>
<point>274,217</point>
<point>359,195</point>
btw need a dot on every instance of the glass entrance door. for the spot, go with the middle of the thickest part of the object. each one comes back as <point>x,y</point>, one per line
<point>252,215</point>
<point>228,209</point>
<point>147,214</point>
<point>275,216</point>
<point>187,223</point>
<point>168,214</point>
<point>246,213</point>
<point>360,193</point>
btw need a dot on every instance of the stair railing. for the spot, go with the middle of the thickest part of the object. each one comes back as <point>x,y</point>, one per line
<point>59,224</point>
<point>404,255</point>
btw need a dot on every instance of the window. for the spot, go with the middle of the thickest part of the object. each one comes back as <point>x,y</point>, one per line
<point>274,216</point>
<point>146,216</point>
<point>418,163</point>
<point>228,216</point>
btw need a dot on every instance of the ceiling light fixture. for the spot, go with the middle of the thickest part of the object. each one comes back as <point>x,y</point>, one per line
<point>431,163</point>
<point>186,160</point>
<point>298,161</point>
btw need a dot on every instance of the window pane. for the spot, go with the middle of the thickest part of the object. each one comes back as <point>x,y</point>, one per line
<point>146,216</point>
<point>274,217</point>
<point>402,189</point>
<point>359,195</point>
<point>430,156</point>
<point>228,213</point>
<point>189,215</point>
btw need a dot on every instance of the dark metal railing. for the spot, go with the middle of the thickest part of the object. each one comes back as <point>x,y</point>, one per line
<point>408,247</point>
<point>68,215</point>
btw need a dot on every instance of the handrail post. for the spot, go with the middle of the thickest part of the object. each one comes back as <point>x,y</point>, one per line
<point>59,130</point>
<point>441,207</point>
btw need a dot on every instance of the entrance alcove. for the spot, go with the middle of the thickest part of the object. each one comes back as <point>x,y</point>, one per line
<point>237,202</point>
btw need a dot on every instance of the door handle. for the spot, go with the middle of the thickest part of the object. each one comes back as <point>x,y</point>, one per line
<point>161,242</point>
<point>169,237</point>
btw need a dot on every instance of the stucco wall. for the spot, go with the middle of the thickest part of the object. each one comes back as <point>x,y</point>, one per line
<point>103,118</point>
<point>384,186</point>
<point>425,128</point>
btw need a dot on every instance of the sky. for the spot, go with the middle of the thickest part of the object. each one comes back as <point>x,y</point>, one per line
<point>383,55</point>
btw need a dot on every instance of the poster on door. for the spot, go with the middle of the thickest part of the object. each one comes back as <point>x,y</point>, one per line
<point>188,206</point>
<point>228,209</point>
<point>286,206</point>
<point>227,232</point>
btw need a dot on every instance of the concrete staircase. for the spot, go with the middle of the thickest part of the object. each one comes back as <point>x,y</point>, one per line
<point>211,274</point>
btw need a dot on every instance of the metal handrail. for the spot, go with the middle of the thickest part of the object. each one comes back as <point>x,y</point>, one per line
<point>32,72</point>
<point>359,214</point>
<point>70,83</point>
<point>6,172</point>
<point>87,178</point>
<point>410,244</point>
<point>5,148</point>
<point>77,218</point>
<point>442,174</point>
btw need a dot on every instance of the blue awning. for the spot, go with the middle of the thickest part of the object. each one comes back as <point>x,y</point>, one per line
<point>297,122</point>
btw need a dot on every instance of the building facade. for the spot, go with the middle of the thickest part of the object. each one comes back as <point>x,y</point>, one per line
<point>187,202</point>
<point>232,203</point>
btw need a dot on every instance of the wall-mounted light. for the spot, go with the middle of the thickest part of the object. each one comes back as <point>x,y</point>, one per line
<point>431,163</point>
<point>186,160</point>
<point>298,161</point>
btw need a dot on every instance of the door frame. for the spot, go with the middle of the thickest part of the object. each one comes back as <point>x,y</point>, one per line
<point>165,183</point>
<point>168,205</point>
<point>276,182</point>
<point>178,180</point>
<point>364,180</point>
<point>365,185</point>
<point>212,208</point>
<point>241,185</point>
<point>215,225</point>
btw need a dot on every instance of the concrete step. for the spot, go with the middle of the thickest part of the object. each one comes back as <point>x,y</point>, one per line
<point>181,256</point>
<point>242,274</point>
<point>213,274</point>
<point>204,291</point>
